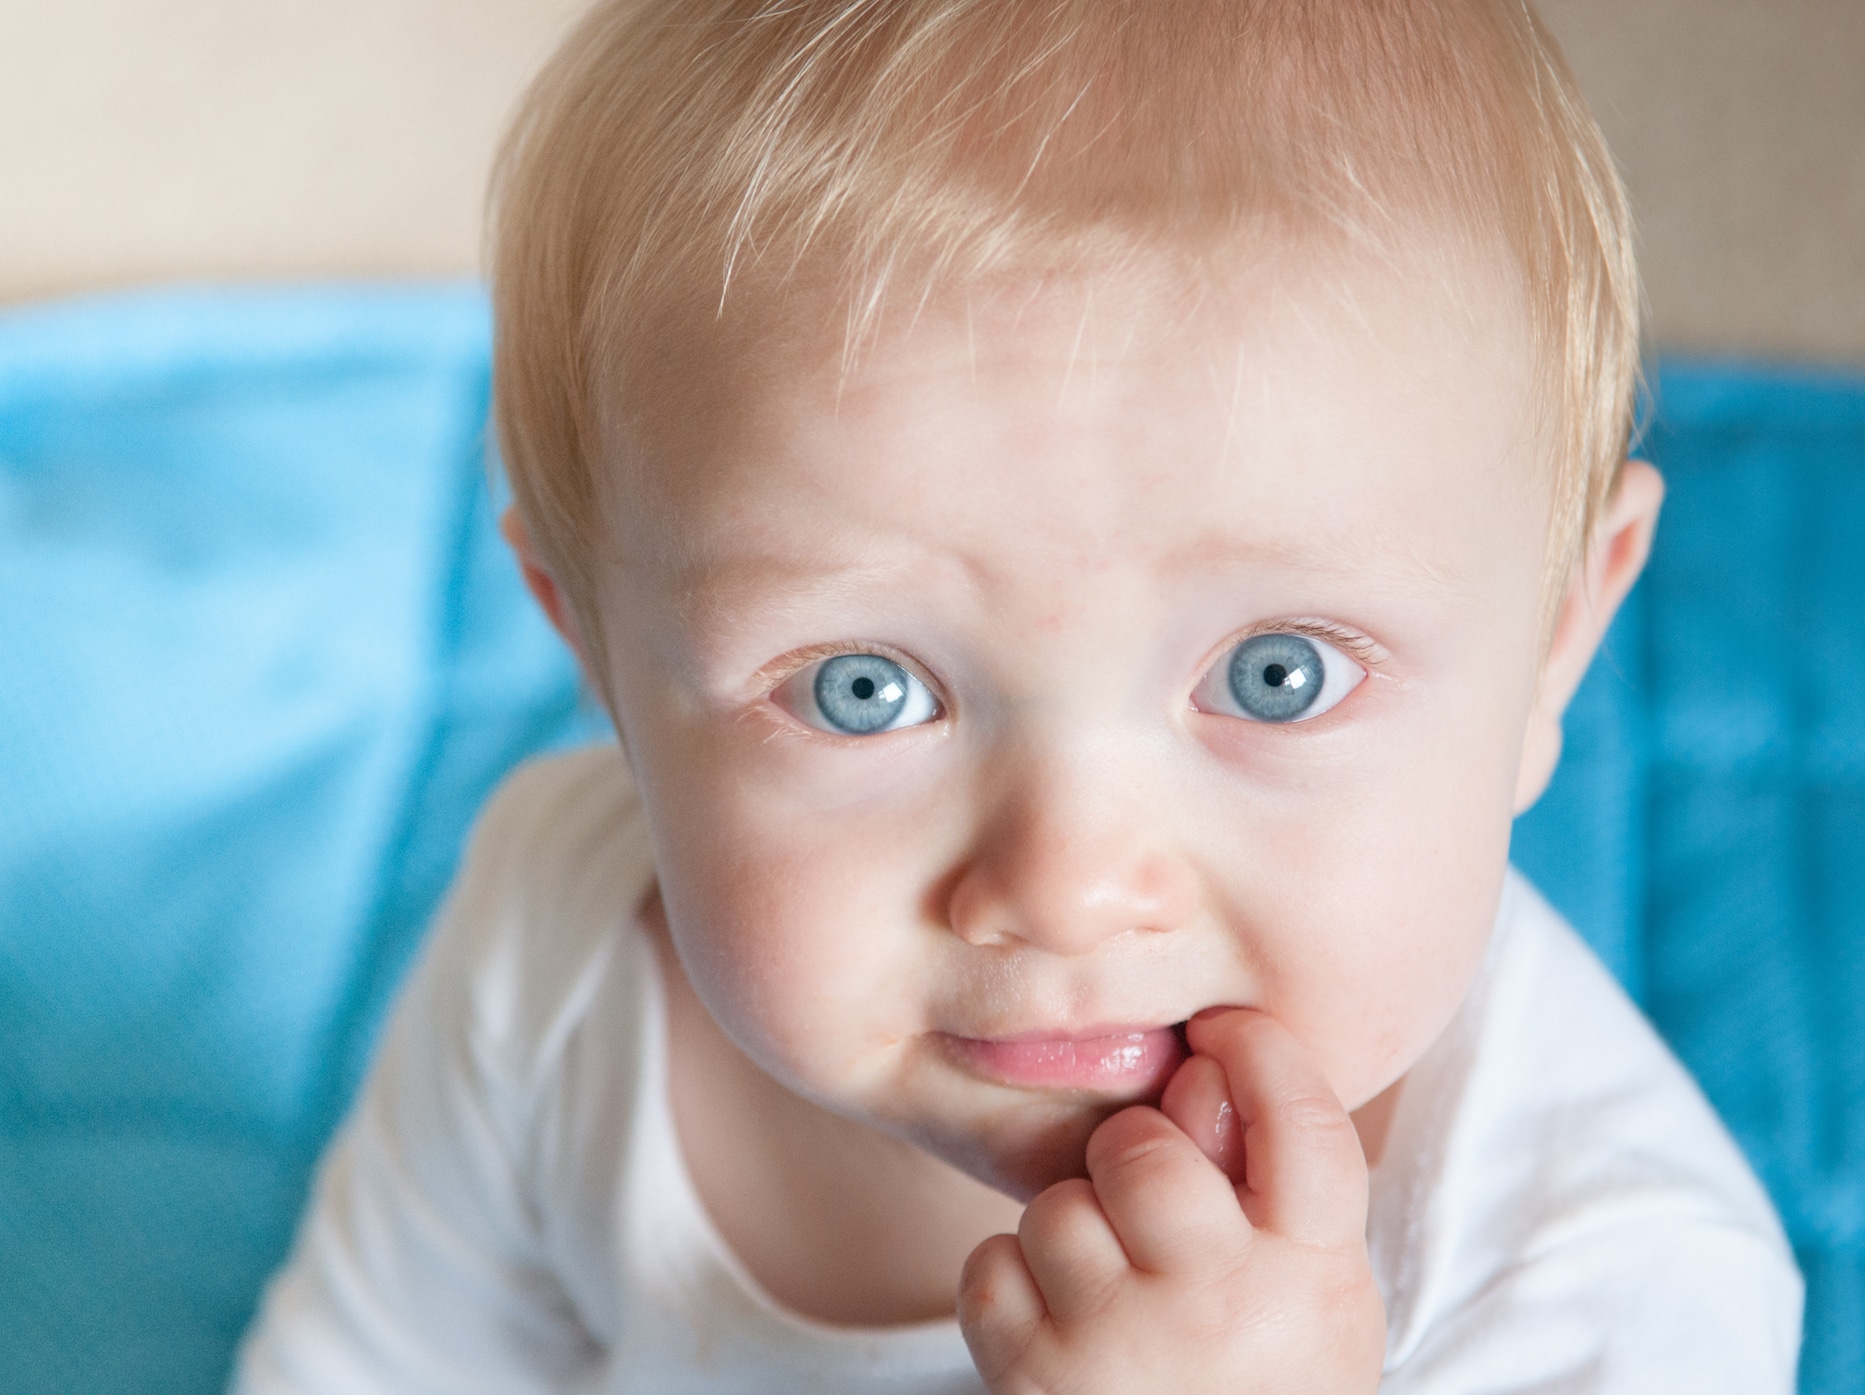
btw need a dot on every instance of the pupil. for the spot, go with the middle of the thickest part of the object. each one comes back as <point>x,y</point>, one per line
<point>1274,675</point>
<point>864,688</point>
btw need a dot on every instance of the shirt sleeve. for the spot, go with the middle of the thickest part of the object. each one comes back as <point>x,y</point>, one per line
<point>1568,1216</point>
<point>421,1264</point>
<point>1658,1305</point>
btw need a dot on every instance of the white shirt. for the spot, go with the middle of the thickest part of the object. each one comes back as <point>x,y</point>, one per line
<point>507,1210</point>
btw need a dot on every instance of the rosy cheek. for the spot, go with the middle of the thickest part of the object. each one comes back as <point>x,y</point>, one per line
<point>767,938</point>
<point>1366,941</point>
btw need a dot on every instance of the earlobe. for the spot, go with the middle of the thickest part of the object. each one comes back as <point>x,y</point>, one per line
<point>1541,753</point>
<point>542,585</point>
<point>1599,584</point>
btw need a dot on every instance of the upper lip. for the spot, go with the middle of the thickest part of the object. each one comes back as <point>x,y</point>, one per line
<point>1097,1032</point>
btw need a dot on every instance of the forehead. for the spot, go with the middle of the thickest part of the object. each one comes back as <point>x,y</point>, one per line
<point>1329,414</point>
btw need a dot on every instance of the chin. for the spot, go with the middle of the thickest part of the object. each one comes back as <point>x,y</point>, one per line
<point>1022,1155</point>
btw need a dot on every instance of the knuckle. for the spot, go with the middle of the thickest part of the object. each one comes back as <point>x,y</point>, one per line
<point>1254,1024</point>
<point>1353,1317</point>
<point>981,1298</point>
<point>991,1312</point>
<point>1326,1316</point>
<point>1136,1154</point>
<point>1249,1031</point>
<point>975,1280</point>
<point>1128,1141</point>
<point>1093,1294</point>
<point>1313,1116</point>
<point>1058,1211</point>
<point>977,1306</point>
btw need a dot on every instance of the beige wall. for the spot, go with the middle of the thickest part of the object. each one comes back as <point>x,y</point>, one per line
<point>1741,128</point>
<point>151,139</point>
<point>154,139</point>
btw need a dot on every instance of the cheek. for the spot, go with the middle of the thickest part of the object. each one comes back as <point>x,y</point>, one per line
<point>1376,903</point>
<point>798,932</point>
<point>1415,917</point>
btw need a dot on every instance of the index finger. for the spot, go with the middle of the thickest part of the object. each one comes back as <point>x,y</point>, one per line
<point>1304,1171</point>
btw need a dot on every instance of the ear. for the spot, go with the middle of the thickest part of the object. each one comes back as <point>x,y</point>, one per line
<point>543,585</point>
<point>1613,562</point>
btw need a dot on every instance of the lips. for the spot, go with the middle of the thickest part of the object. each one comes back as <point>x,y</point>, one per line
<point>1111,1060</point>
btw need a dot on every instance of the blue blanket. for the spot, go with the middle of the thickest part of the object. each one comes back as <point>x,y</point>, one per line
<point>263,656</point>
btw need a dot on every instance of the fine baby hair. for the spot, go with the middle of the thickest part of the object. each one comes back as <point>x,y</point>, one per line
<point>686,171</point>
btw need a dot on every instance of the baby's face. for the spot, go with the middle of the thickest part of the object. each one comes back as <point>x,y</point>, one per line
<point>1071,666</point>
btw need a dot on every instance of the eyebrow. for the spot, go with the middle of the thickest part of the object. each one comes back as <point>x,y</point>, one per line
<point>1222,552</point>
<point>773,581</point>
<point>777,581</point>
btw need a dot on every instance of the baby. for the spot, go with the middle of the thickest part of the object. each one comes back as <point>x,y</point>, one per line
<point>1086,515</point>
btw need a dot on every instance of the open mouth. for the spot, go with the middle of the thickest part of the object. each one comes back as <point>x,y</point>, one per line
<point>1130,1061</point>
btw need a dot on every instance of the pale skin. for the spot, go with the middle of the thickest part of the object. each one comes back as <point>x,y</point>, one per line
<point>1060,511</point>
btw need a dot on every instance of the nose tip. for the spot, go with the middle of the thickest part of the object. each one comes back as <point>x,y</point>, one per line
<point>1068,896</point>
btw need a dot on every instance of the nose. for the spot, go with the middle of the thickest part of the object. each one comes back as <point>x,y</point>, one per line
<point>1068,859</point>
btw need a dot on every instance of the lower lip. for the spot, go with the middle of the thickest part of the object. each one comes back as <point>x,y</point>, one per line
<point>1127,1062</point>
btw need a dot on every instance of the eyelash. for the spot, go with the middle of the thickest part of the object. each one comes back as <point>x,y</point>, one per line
<point>1357,647</point>
<point>780,671</point>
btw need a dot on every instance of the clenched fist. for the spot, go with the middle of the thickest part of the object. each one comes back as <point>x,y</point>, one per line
<point>1217,1244</point>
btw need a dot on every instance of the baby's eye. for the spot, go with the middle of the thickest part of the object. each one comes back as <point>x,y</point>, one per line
<point>857,695</point>
<point>1278,678</point>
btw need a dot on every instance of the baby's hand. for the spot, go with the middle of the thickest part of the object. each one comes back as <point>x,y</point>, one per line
<point>1207,1251</point>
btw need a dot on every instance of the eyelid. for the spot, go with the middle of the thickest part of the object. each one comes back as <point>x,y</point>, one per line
<point>1368,653</point>
<point>783,668</point>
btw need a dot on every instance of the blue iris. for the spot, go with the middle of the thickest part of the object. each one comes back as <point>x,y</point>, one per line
<point>1276,678</point>
<point>861,693</point>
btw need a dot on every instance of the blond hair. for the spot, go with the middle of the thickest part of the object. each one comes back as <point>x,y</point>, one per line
<point>677,153</point>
